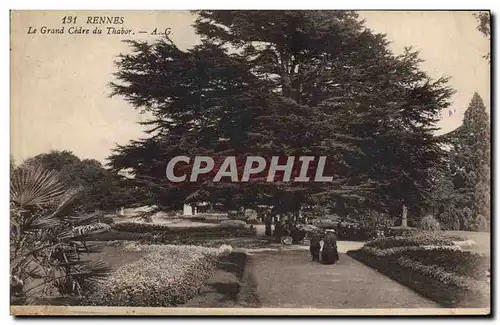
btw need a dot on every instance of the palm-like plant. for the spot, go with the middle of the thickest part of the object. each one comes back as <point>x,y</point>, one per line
<point>45,250</point>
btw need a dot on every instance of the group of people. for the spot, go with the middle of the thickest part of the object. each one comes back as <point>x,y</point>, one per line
<point>328,253</point>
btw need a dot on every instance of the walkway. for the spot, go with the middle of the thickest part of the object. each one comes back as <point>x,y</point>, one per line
<point>289,279</point>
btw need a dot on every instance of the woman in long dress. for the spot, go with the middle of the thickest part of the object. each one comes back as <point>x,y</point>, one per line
<point>315,246</point>
<point>329,254</point>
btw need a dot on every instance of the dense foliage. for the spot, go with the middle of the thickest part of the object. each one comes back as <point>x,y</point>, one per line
<point>462,190</point>
<point>284,83</point>
<point>101,188</point>
<point>46,245</point>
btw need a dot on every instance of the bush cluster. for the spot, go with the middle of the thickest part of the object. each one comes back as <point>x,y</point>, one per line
<point>168,276</point>
<point>233,224</point>
<point>400,231</point>
<point>429,223</point>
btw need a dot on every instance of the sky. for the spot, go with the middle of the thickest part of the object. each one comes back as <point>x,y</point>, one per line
<point>59,83</point>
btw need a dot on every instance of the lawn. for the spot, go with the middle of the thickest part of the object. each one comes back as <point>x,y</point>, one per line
<point>482,240</point>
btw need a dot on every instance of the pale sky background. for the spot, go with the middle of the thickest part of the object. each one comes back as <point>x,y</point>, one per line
<point>59,83</point>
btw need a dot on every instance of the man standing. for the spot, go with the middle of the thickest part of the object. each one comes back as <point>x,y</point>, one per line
<point>315,246</point>
<point>330,254</point>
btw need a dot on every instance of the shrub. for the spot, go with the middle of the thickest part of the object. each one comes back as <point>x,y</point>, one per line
<point>250,214</point>
<point>233,224</point>
<point>400,231</point>
<point>480,223</point>
<point>429,223</point>
<point>233,214</point>
<point>225,249</point>
<point>253,222</point>
<point>450,219</point>
<point>467,217</point>
<point>168,276</point>
<point>197,218</point>
<point>417,239</point>
<point>139,227</point>
<point>325,223</point>
<point>106,219</point>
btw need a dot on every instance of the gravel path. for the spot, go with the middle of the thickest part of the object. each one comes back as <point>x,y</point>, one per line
<point>289,279</point>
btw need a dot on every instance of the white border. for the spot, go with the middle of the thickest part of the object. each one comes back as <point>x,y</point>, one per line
<point>145,4</point>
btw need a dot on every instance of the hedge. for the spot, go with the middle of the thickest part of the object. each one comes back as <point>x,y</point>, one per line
<point>168,276</point>
<point>208,217</point>
<point>233,224</point>
<point>156,228</point>
<point>154,233</point>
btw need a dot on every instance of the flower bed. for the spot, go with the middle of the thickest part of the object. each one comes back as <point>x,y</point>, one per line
<point>168,276</point>
<point>398,251</point>
<point>432,264</point>
<point>417,239</point>
<point>468,264</point>
<point>439,273</point>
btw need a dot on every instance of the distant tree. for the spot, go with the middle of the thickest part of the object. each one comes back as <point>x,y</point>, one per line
<point>53,160</point>
<point>101,188</point>
<point>470,164</point>
<point>484,26</point>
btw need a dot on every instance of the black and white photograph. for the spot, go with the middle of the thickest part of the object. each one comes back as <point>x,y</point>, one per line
<point>250,162</point>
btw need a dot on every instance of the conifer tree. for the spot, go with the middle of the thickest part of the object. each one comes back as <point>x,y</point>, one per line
<point>470,161</point>
<point>286,83</point>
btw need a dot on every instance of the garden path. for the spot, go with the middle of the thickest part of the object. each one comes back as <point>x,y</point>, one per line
<point>289,279</point>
